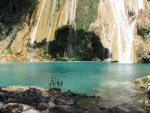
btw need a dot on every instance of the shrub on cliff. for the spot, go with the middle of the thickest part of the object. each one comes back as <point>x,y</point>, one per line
<point>83,45</point>
<point>144,59</point>
<point>86,13</point>
<point>13,12</point>
<point>59,45</point>
<point>143,31</point>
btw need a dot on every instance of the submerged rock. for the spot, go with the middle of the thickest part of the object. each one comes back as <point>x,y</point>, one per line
<point>143,82</point>
<point>143,85</point>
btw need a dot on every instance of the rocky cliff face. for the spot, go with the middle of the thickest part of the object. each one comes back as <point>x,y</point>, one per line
<point>29,40</point>
<point>16,20</point>
<point>142,35</point>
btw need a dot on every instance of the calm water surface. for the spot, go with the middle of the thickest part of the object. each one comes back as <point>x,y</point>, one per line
<point>110,80</point>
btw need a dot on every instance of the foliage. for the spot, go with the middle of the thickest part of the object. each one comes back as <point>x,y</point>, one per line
<point>144,59</point>
<point>13,12</point>
<point>43,43</point>
<point>13,35</point>
<point>59,45</point>
<point>86,13</point>
<point>142,56</point>
<point>57,4</point>
<point>85,45</point>
<point>143,31</point>
<point>55,83</point>
<point>131,13</point>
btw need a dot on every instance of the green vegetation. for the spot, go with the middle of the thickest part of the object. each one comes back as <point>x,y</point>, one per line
<point>13,36</point>
<point>131,13</point>
<point>59,45</point>
<point>142,56</point>
<point>144,59</point>
<point>55,83</point>
<point>86,13</point>
<point>143,32</point>
<point>85,45</point>
<point>57,5</point>
<point>41,49</point>
<point>42,44</point>
<point>13,13</point>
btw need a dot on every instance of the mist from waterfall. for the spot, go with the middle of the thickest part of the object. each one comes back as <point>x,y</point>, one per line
<point>33,37</point>
<point>124,27</point>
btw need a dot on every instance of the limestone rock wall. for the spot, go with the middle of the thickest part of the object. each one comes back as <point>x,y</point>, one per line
<point>91,15</point>
<point>142,43</point>
<point>52,17</point>
<point>104,26</point>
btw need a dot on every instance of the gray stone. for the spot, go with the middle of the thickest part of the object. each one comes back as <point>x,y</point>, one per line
<point>104,107</point>
<point>29,109</point>
<point>51,104</point>
<point>1,105</point>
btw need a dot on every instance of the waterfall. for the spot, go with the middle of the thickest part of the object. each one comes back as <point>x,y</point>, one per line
<point>72,23</point>
<point>140,4</point>
<point>136,5</point>
<point>51,23</point>
<point>124,28</point>
<point>72,12</point>
<point>33,37</point>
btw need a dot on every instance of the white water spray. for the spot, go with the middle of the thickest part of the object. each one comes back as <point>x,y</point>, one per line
<point>136,5</point>
<point>35,31</point>
<point>124,28</point>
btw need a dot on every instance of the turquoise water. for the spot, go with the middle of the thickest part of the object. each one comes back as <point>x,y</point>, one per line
<point>94,78</point>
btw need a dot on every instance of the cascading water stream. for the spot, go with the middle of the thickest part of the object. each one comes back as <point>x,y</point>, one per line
<point>72,23</point>
<point>72,12</point>
<point>35,32</point>
<point>136,5</point>
<point>51,22</point>
<point>124,28</point>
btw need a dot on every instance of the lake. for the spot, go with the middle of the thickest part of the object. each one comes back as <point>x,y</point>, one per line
<point>111,81</point>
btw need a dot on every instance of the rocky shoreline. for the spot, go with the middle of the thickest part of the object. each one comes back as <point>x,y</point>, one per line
<point>18,99</point>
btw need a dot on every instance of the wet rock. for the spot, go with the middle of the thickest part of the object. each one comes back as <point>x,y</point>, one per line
<point>17,108</point>
<point>15,88</point>
<point>53,101</point>
<point>59,110</point>
<point>104,107</point>
<point>42,106</point>
<point>1,105</point>
<point>51,105</point>
<point>143,82</point>
<point>148,93</point>
<point>11,108</point>
<point>63,101</point>
<point>29,109</point>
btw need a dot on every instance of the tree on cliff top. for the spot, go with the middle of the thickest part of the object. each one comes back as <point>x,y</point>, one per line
<point>13,12</point>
